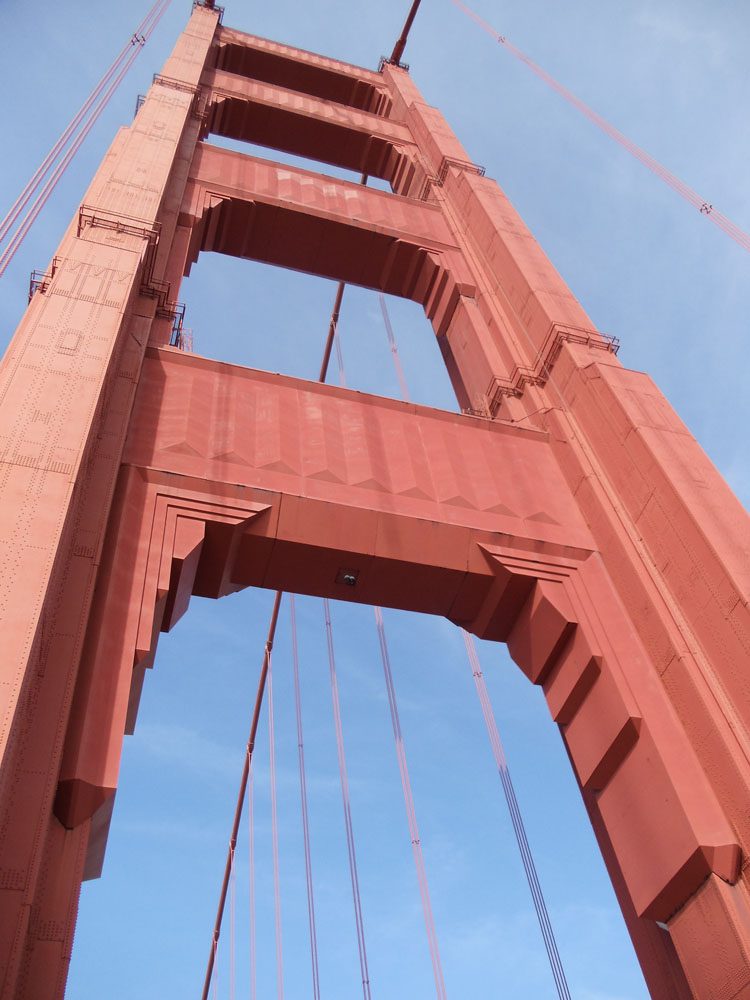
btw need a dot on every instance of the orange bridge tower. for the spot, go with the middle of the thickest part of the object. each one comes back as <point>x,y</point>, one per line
<point>566,511</point>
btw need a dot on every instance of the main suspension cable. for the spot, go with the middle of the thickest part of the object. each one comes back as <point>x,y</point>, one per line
<point>95,104</point>
<point>303,801</point>
<point>135,42</point>
<point>411,815</point>
<point>692,197</point>
<point>347,805</point>
<point>20,233</point>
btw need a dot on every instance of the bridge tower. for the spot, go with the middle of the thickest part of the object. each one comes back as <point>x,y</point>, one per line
<point>567,511</point>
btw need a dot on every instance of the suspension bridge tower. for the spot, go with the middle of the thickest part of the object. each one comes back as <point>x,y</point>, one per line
<point>567,511</point>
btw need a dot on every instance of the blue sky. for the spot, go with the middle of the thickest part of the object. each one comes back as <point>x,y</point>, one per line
<point>647,267</point>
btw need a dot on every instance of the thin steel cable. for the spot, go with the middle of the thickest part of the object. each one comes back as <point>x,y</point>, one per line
<point>334,320</point>
<point>347,806</point>
<point>136,40</point>
<point>411,815</point>
<point>723,702</point>
<point>232,928</point>
<point>275,841</point>
<point>339,359</point>
<point>303,802</point>
<point>249,749</point>
<point>334,339</point>
<point>31,216</point>
<point>519,829</point>
<point>679,186</point>
<point>251,886</point>
<point>20,233</point>
<point>522,842</point>
<point>394,350</point>
<point>716,686</point>
<point>259,701</point>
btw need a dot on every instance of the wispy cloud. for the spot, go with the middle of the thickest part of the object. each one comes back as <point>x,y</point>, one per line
<point>165,830</point>
<point>674,28</point>
<point>189,748</point>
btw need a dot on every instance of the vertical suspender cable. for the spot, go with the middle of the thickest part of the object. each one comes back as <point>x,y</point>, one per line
<point>303,801</point>
<point>336,341</point>
<point>340,360</point>
<point>333,338</point>
<point>519,829</point>
<point>411,816</point>
<point>334,320</point>
<point>347,806</point>
<point>251,860</point>
<point>332,325</point>
<point>275,839</point>
<point>256,716</point>
<point>680,187</point>
<point>395,720</point>
<point>394,350</point>
<point>22,230</point>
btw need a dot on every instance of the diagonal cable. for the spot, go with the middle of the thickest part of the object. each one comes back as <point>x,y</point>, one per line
<point>101,96</point>
<point>679,186</point>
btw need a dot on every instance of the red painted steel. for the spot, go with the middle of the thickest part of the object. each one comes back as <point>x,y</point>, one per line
<point>582,524</point>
